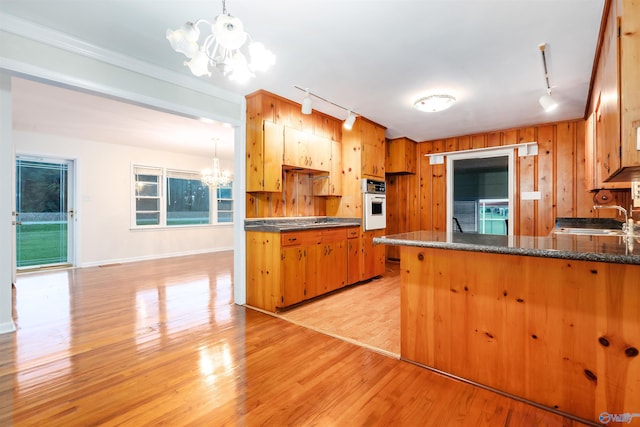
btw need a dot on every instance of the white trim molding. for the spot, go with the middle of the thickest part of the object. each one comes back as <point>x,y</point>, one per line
<point>524,149</point>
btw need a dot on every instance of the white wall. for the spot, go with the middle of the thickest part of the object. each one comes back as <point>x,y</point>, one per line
<point>32,51</point>
<point>6,206</point>
<point>103,201</point>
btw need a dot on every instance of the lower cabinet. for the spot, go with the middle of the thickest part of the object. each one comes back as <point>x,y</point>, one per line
<point>354,251</point>
<point>374,255</point>
<point>286,268</point>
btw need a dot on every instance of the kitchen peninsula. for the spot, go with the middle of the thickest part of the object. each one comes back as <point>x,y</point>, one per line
<point>554,320</point>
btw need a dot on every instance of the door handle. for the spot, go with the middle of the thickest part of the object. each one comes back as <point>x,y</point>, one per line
<point>71,212</point>
<point>17,222</point>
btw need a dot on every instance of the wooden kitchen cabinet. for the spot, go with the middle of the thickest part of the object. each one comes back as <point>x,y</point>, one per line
<point>332,264</point>
<point>373,150</point>
<point>401,156</point>
<point>374,261</point>
<point>331,185</point>
<point>293,264</point>
<point>306,151</point>
<point>612,155</point>
<point>353,255</point>
<point>286,268</point>
<point>265,145</point>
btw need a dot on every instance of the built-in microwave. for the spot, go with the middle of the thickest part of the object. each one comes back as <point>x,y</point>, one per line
<point>374,207</point>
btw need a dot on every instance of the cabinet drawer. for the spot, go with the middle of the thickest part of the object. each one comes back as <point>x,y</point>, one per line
<point>353,232</point>
<point>294,238</point>
<point>334,235</point>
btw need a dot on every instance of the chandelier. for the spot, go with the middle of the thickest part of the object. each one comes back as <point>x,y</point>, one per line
<point>215,177</point>
<point>222,49</point>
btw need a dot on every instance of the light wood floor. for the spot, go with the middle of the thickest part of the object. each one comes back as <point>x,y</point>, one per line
<point>367,314</point>
<point>160,343</point>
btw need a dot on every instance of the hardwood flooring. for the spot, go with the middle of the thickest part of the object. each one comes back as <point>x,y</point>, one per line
<point>160,343</point>
<point>367,314</point>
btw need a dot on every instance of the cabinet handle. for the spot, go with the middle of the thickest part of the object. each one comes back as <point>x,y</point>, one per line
<point>293,239</point>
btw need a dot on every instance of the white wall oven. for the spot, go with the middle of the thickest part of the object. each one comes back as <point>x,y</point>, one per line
<point>374,206</point>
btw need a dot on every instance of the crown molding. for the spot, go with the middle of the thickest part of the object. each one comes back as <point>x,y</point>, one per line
<point>48,36</point>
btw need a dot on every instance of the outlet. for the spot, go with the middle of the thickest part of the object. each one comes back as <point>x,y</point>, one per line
<point>635,193</point>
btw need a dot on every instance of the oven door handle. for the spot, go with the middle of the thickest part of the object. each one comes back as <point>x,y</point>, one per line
<point>378,198</point>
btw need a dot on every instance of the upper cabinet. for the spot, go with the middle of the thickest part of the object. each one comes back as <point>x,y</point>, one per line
<point>331,185</point>
<point>306,150</point>
<point>612,151</point>
<point>401,156</point>
<point>284,146</point>
<point>372,139</point>
<point>265,143</point>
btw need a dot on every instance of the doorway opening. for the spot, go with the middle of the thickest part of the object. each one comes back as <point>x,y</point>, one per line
<point>44,212</point>
<point>479,192</point>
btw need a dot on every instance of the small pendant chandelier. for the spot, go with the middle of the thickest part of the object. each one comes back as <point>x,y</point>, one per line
<point>214,177</point>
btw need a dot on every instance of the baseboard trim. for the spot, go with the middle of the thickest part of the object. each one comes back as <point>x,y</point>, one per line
<point>151,257</point>
<point>7,327</point>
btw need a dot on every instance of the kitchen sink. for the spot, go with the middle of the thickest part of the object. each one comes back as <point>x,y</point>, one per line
<point>589,231</point>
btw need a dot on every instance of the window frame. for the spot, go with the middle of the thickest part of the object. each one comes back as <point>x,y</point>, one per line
<point>164,174</point>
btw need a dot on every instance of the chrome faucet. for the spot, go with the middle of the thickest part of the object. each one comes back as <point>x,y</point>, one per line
<point>620,208</point>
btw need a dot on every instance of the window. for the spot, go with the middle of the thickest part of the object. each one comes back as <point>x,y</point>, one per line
<point>187,199</point>
<point>224,194</point>
<point>147,194</point>
<point>184,199</point>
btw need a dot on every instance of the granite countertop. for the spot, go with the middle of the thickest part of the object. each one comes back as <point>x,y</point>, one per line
<point>277,225</point>
<point>602,248</point>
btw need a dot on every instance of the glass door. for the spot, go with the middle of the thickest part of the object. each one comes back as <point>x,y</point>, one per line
<point>479,192</point>
<point>44,212</point>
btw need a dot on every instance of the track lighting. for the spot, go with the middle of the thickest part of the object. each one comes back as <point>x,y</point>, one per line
<point>349,121</point>
<point>306,107</point>
<point>306,104</point>
<point>546,101</point>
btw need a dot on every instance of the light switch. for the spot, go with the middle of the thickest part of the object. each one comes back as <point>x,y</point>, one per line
<point>530,195</point>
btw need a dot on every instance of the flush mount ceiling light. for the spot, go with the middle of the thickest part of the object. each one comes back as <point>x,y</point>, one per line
<point>435,102</point>
<point>225,49</point>
<point>306,107</point>
<point>215,177</point>
<point>546,101</point>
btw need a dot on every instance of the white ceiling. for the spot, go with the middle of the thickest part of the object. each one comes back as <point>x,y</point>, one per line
<point>375,57</point>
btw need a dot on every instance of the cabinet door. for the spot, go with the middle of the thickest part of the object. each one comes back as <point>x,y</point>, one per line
<point>296,145</point>
<point>373,150</point>
<point>401,154</point>
<point>374,263</point>
<point>331,185</point>
<point>320,153</point>
<point>272,157</point>
<point>293,268</point>
<point>335,265</point>
<point>313,271</point>
<point>354,272</point>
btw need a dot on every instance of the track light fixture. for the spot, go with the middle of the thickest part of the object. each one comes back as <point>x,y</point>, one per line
<point>546,101</point>
<point>349,121</point>
<point>307,104</point>
<point>306,107</point>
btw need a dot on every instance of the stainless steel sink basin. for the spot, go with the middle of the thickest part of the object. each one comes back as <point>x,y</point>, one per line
<point>589,231</point>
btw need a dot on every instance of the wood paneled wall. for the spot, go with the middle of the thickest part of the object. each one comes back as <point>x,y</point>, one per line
<point>557,172</point>
<point>297,197</point>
